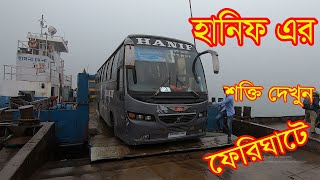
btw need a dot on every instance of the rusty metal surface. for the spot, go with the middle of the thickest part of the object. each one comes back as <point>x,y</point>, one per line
<point>106,148</point>
<point>31,156</point>
<point>19,140</point>
<point>6,155</point>
<point>294,165</point>
<point>282,126</point>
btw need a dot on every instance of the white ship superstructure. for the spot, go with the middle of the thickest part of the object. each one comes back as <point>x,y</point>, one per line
<point>39,67</point>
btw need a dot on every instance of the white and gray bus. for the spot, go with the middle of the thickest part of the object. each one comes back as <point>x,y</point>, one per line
<point>153,89</point>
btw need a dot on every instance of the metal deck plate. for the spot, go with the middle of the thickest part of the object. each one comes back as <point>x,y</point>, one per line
<point>109,148</point>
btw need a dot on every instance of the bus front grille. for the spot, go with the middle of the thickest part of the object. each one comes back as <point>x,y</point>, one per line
<point>176,119</point>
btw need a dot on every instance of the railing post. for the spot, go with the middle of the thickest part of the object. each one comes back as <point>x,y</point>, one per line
<point>11,72</point>
<point>4,72</point>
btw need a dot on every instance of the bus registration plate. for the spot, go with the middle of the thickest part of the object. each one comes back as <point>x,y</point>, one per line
<point>176,134</point>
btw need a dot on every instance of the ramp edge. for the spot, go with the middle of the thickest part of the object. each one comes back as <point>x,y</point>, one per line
<point>31,156</point>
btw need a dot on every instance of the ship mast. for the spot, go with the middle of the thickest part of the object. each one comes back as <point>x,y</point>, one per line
<point>42,21</point>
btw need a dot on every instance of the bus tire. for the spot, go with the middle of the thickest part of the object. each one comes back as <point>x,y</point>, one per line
<point>113,124</point>
<point>111,119</point>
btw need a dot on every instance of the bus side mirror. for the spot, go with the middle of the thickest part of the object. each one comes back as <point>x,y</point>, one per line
<point>129,60</point>
<point>215,63</point>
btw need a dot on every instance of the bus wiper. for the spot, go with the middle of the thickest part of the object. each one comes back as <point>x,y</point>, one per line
<point>159,89</point>
<point>192,91</point>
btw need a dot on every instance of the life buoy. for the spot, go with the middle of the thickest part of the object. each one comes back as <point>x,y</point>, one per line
<point>33,43</point>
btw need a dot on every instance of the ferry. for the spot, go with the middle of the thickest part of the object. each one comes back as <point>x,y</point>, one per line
<point>39,69</point>
<point>77,143</point>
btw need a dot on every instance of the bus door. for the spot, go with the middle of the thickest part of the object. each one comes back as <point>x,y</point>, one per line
<point>118,93</point>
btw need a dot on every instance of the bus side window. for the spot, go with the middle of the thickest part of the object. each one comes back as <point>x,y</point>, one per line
<point>101,76</point>
<point>121,56</point>
<point>105,73</point>
<point>97,77</point>
<point>109,67</point>
<point>114,66</point>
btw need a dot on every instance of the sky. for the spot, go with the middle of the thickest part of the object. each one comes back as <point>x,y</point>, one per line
<point>95,28</point>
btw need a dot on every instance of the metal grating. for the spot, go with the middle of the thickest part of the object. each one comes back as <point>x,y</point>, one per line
<point>176,119</point>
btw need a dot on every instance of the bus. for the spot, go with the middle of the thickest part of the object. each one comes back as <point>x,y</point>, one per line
<point>152,89</point>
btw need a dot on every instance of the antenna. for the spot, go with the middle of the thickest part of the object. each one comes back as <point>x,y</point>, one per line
<point>194,40</point>
<point>42,21</point>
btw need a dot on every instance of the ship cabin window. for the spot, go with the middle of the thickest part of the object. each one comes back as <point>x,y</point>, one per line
<point>52,91</point>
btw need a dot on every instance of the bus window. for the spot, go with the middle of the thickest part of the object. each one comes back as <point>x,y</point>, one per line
<point>114,66</point>
<point>109,67</point>
<point>101,75</point>
<point>106,72</point>
<point>97,77</point>
<point>121,55</point>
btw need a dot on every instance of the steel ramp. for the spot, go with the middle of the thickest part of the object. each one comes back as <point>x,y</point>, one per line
<point>110,148</point>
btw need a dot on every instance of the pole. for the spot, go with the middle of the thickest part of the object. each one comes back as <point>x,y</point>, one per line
<point>194,40</point>
<point>42,21</point>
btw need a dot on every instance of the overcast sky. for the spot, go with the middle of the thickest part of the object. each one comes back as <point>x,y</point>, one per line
<point>95,28</point>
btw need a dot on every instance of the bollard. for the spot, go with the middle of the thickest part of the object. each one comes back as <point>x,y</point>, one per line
<point>26,112</point>
<point>238,112</point>
<point>246,112</point>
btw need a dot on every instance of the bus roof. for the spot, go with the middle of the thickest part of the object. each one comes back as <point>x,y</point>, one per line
<point>160,37</point>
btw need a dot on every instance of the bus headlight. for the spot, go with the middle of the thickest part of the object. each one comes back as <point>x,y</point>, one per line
<point>143,117</point>
<point>148,118</point>
<point>140,117</point>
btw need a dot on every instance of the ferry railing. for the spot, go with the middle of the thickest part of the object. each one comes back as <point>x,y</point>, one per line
<point>24,48</point>
<point>10,73</point>
<point>57,38</point>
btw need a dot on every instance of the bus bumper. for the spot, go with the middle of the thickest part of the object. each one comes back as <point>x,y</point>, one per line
<point>141,132</point>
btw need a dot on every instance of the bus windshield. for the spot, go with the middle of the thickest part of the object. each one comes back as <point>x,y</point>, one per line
<point>165,69</point>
